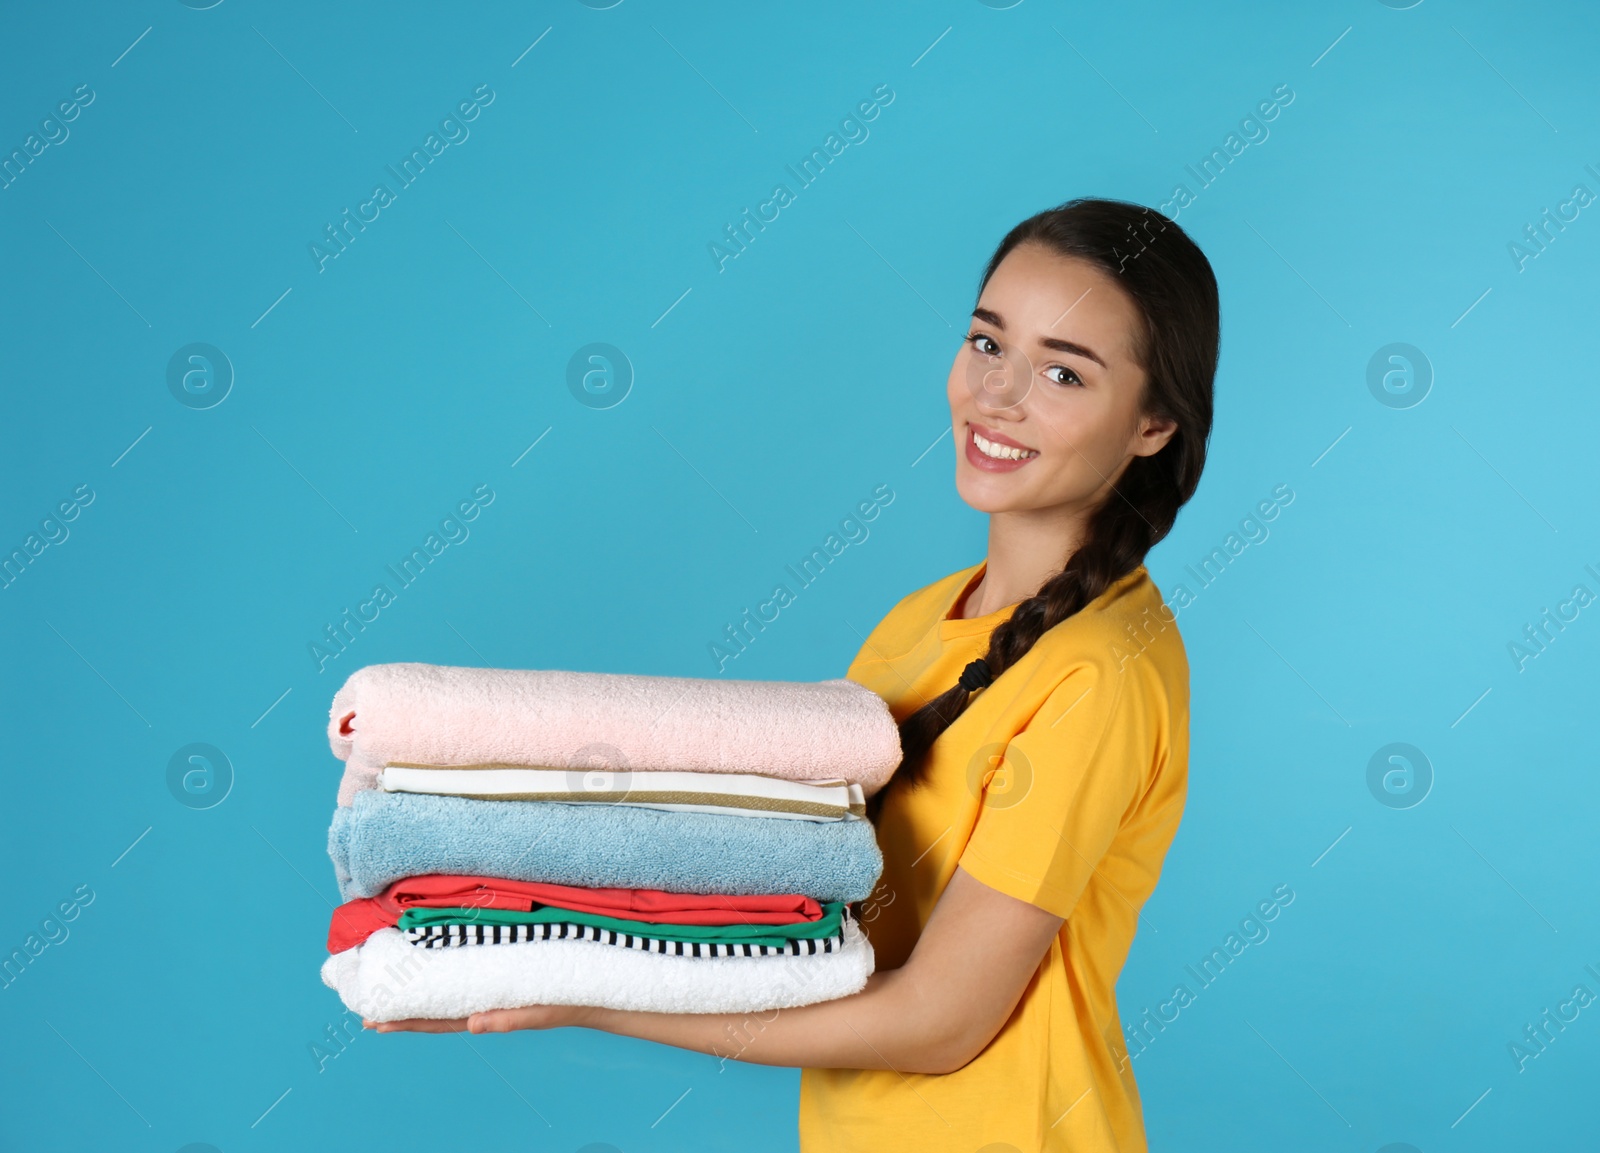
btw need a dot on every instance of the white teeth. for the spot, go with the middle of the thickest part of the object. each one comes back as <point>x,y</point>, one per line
<point>1001,451</point>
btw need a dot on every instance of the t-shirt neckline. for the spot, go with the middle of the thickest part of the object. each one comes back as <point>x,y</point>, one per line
<point>951,628</point>
<point>955,628</point>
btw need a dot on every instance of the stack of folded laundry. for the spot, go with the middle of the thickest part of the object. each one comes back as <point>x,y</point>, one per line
<point>510,837</point>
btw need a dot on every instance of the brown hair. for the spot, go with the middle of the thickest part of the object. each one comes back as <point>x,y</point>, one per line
<point>1170,281</point>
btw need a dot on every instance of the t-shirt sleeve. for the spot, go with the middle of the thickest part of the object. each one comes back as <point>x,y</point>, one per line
<point>1055,794</point>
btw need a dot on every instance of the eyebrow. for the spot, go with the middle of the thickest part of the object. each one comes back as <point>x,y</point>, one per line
<point>1068,346</point>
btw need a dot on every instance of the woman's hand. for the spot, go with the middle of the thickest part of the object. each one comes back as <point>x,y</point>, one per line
<point>492,1021</point>
<point>970,967</point>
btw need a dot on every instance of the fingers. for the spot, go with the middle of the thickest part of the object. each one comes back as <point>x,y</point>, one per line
<point>506,1020</point>
<point>491,1021</point>
<point>417,1025</point>
<point>496,1021</point>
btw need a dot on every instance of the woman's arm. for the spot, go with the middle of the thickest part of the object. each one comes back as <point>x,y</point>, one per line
<point>935,1013</point>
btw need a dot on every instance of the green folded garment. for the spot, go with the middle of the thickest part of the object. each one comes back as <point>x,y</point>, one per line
<point>775,935</point>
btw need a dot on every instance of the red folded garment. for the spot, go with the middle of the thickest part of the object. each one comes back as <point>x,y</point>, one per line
<point>355,921</point>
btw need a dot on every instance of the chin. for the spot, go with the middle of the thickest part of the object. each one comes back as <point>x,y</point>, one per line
<point>989,497</point>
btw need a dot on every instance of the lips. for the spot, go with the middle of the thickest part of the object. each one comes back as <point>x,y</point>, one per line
<point>996,436</point>
<point>981,460</point>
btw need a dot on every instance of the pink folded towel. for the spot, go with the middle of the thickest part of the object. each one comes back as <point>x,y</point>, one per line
<point>443,715</point>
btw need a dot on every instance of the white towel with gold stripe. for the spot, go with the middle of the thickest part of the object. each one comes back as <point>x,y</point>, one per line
<point>739,794</point>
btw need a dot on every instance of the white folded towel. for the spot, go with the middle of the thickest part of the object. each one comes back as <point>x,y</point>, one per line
<point>744,794</point>
<point>389,979</point>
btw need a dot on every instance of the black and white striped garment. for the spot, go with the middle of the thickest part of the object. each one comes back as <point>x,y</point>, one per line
<point>445,936</point>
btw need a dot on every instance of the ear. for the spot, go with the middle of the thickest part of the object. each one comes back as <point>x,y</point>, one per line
<point>1152,435</point>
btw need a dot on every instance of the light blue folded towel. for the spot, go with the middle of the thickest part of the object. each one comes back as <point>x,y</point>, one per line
<point>382,837</point>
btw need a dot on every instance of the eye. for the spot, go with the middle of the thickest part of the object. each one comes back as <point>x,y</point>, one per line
<point>978,339</point>
<point>1072,378</point>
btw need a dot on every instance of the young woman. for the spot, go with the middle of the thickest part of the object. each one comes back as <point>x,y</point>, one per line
<point>1043,702</point>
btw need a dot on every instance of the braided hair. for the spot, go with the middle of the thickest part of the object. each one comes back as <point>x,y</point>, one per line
<point>1171,283</point>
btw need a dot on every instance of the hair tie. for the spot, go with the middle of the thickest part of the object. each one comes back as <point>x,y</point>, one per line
<point>976,676</point>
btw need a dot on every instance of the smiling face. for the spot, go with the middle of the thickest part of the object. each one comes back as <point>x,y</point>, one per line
<point>1045,394</point>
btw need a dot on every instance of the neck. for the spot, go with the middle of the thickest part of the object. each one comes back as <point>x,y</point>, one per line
<point>1026,549</point>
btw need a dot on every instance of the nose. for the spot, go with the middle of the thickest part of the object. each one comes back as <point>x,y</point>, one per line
<point>1000,384</point>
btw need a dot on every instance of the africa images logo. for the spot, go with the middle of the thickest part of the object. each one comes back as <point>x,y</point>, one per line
<point>200,376</point>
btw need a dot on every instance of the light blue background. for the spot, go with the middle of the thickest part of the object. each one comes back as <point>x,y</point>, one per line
<point>766,402</point>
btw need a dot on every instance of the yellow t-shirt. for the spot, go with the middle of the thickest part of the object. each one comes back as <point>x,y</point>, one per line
<point>1061,784</point>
